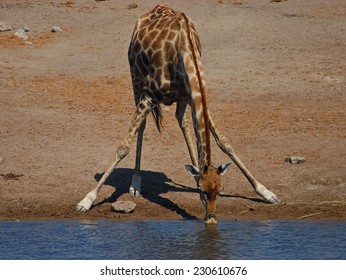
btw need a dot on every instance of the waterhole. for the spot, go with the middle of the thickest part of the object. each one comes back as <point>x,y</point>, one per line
<point>187,239</point>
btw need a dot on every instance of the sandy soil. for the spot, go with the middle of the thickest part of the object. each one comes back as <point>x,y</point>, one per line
<point>276,87</point>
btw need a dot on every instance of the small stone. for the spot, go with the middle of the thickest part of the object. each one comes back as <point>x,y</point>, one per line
<point>5,27</point>
<point>295,159</point>
<point>56,29</point>
<point>20,33</point>
<point>11,176</point>
<point>132,6</point>
<point>1,160</point>
<point>166,109</point>
<point>123,206</point>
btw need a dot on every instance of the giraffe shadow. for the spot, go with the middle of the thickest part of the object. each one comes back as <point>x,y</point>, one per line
<point>154,184</point>
<point>253,199</point>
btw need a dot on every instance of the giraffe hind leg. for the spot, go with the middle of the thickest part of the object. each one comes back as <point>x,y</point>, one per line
<point>224,145</point>
<point>135,187</point>
<point>142,111</point>
<point>180,115</point>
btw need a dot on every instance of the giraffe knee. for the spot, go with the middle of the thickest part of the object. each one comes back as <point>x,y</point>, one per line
<point>123,151</point>
<point>226,148</point>
<point>229,148</point>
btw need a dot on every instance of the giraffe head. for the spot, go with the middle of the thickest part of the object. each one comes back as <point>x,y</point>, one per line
<point>209,185</point>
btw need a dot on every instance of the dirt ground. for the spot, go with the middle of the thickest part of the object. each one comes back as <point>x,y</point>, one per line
<point>276,87</point>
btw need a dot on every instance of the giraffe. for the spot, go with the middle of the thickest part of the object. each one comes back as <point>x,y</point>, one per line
<point>165,65</point>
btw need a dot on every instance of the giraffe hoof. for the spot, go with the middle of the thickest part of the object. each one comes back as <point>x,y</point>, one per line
<point>272,199</point>
<point>80,208</point>
<point>84,205</point>
<point>86,202</point>
<point>134,192</point>
<point>268,196</point>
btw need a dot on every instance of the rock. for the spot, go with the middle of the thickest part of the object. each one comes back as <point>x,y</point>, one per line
<point>5,27</point>
<point>123,206</point>
<point>11,176</point>
<point>132,6</point>
<point>295,159</point>
<point>1,160</point>
<point>20,33</point>
<point>56,29</point>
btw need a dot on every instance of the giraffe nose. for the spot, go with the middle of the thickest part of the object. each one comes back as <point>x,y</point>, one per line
<point>210,219</point>
<point>211,216</point>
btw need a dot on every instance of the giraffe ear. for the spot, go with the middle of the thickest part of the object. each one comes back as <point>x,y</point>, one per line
<point>223,168</point>
<point>193,170</point>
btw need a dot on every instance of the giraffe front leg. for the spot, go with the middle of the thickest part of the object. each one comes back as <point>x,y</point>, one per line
<point>143,109</point>
<point>86,203</point>
<point>222,142</point>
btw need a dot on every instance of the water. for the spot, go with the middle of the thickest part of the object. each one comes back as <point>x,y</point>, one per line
<point>172,240</point>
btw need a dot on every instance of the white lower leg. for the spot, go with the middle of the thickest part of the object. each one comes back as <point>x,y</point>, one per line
<point>267,195</point>
<point>87,201</point>
<point>135,188</point>
<point>222,142</point>
<point>141,113</point>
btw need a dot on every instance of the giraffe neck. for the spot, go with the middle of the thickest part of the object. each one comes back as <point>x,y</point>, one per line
<point>201,112</point>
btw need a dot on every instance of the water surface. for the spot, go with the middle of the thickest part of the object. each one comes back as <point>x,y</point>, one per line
<point>172,240</point>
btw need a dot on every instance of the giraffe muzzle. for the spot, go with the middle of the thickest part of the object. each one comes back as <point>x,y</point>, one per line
<point>210,219</point>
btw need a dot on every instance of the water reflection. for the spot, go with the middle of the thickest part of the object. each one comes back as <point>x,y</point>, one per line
<point>172,240</point>
<point>210,244</point>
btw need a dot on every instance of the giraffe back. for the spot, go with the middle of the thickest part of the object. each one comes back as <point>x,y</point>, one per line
<point>158,38</point>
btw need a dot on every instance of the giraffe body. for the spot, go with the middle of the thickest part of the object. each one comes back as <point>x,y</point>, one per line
<point>164,58</point>
<point>165,63</point>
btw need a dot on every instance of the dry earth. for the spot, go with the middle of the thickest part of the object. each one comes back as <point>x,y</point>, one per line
<point>276,87</point>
